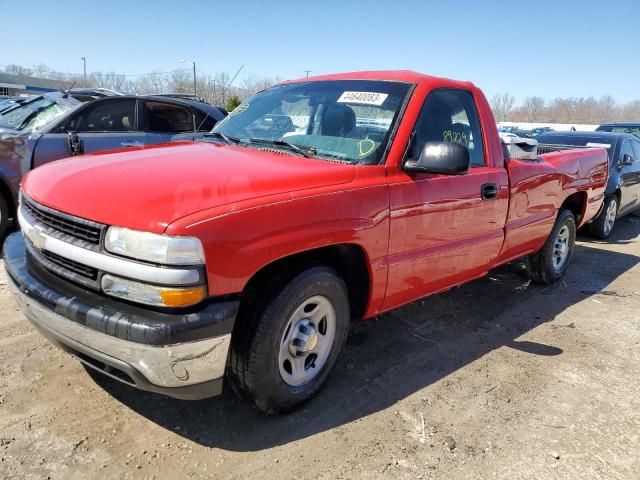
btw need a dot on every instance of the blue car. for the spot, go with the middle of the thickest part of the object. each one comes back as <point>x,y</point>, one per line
<point>59,125</point>
<point>622,195</point>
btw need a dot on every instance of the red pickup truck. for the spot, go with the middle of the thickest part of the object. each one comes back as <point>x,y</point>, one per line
<point>315,202</point>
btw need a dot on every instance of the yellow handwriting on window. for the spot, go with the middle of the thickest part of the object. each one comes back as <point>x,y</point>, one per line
<point>455,137</point>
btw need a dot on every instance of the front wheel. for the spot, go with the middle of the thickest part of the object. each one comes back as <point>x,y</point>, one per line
<point>602,225</point>
<point>293,344</point>
<point>550,263</point>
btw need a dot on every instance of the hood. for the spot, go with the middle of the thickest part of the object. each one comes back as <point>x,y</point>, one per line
<point>149,188</point>
<point>15,153</point>
<point>8,131</point>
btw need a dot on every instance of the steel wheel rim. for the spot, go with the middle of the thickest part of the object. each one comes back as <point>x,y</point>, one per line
<point>610,217</point>
<point>307,341</point>
<point>561,248</point>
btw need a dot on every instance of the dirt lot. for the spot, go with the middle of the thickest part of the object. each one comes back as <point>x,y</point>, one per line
<point>498,379</point>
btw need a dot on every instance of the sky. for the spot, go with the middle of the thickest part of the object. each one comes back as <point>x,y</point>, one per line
<point>546,48</point>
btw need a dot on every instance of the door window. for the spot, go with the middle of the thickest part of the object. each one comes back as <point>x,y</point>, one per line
<point>204,122</point>
<point>636,150</point>
<point>117,115</point>
<point>168,117</point>
<point>449,115</point>
<point>626,150</point>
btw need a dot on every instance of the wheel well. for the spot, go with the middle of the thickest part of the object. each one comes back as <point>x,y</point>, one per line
<point>348,260</point>
<point>577,203</point>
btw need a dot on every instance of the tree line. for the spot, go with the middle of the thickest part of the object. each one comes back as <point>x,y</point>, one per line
<point>578,110</point>
<point>214,88</point>
<point>218,89</point>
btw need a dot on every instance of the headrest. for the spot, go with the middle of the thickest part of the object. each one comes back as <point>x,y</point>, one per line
<point>338,120</point>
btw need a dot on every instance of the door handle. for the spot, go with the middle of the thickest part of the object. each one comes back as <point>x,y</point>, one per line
<point>131,144</point>
<point>489,191</point>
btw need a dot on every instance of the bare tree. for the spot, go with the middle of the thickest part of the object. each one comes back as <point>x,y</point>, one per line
<point>41,70</point>
<point>154,82</point>
<point>180,81</point>
<point>630,112</point>
<point>221,82</point>
<point>605,108</point>
<point>533,108</point>
<point>110,80</point>
<point>502,105</point>
<point>18,70</point>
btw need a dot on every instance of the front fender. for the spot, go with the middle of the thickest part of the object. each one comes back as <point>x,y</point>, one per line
<point>239,243</point>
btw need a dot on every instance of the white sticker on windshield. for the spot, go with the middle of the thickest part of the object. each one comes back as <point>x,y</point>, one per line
<point>364,98</point>
<point>598,145</point>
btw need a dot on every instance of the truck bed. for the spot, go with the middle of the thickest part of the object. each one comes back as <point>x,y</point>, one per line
<point>540,188</point>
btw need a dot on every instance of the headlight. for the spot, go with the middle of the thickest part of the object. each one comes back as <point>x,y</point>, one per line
<point>162,249</point>
<point>152,294</point>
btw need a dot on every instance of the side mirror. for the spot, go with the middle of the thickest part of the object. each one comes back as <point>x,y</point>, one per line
<point>76,146</point>
<point>440,157</point>
<point>626,159</point>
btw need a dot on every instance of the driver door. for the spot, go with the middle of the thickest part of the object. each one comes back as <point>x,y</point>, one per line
<point>105,124</point>
<point>445,229</point>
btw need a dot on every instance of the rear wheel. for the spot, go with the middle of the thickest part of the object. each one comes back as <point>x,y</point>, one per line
<point>291,347</point>
<point>550,263</point>
<point>636,212</point>
<point>4,216</point>
<point>602,225</point>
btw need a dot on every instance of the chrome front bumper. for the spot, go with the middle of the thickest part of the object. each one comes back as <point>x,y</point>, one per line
<point>184,369</point>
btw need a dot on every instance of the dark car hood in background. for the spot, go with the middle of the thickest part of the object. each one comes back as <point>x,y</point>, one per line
<point>8,131</point>
<point>149,188</point>
<point>15,151</point>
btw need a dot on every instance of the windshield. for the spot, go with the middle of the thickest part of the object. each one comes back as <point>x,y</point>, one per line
<point>348,120</point>
<point>33,115</point>
<point>621,129</point>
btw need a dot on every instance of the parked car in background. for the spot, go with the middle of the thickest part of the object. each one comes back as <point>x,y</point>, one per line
<point>630,128</point>
<point>522,132</point>
<point>30,113</point>
<point>18,122</point>
<point>537,131</point>
<point>168,267</point>
<point>112,122</point>
<point>622,195</point>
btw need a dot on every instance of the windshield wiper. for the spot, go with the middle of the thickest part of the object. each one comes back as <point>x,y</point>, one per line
<point>308,152</point>
<point>226,138</point>
<point>32,115</point>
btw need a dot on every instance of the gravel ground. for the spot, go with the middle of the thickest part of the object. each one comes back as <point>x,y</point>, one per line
<point>497,379</point>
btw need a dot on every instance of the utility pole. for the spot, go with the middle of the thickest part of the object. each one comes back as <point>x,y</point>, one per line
<point>307,72</point>
<point>195,93</point>
<point>84,64</point>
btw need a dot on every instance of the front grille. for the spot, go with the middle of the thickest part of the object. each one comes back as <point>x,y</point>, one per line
<point>75,227</point>
<point>78,268</point>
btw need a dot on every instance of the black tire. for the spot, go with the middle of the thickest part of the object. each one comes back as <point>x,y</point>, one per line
<point>542,266</point>
<point>636,212</point>
<point>254,365</point>
<point>5,221</point>
<point>600,227</point>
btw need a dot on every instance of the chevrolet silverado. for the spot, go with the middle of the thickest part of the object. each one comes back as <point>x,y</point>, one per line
<point>316,202</point>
